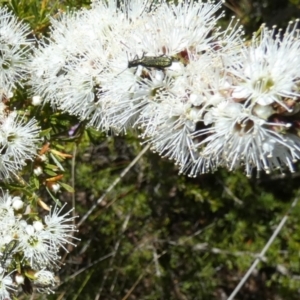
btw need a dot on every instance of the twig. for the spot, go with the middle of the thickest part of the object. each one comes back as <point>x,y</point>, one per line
<point>61,295</point>
<point>230,193</point>
<point>156,259</point>
<point>183,241</point>
<point>113,185</point>
<point>116,247</point>
<point>263,252</point>
<point>141,276</point>
<point>73,180</point>
<point>70,247</point>
<point>87,267</point>
<point>205,247</point>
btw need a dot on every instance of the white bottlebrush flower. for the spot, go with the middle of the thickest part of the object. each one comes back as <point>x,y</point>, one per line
<point>35,243</point>
<point>45,281</point>
<point>8,222</point>
<point>179,110</point>
<point>14,51</point>
<point>169,131</point>
<point>172,29</point>
<point>268,69</point>
<point>18,141</point>
<point>172,33</point>
<point>47,72</point>
<point>51,57</point>
<point>82,83</point>
<point>36,248</point>
<point>58,230</point>
<point>6,209</point>
<point>239,138</point>
<point>81,59</point>
<point>7,286</point>
<point>131,97</point>
<point>133,10</point>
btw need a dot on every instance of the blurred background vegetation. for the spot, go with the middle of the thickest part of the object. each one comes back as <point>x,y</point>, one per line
<point>158,235</point>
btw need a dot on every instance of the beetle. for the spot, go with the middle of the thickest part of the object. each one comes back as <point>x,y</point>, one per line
<point>158,62</point>
<point>8,250</point>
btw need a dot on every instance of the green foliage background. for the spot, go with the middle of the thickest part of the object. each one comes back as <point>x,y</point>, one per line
<point>158,235</point>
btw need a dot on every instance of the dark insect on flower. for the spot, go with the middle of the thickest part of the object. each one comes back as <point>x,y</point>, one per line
<point>158,62</point>
<point>27,286</point>
<point>8,250</point>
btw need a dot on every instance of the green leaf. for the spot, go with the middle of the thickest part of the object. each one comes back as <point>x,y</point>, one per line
<point>49,172</point>
<point>45,132</point>
<point>53,198</point>
<point>67,187</point>
<point>36,183</point>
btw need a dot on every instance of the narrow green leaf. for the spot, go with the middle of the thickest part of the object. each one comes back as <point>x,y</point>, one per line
<point>67,187</point>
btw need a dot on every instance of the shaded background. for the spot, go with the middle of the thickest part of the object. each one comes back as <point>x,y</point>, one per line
<point>158,235</point>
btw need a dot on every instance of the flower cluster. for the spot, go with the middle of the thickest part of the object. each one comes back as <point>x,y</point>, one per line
<point>18,142</point>
<point>14,52</point>
<point>18,138</point>
<point>29,247</point>
<point>199,95</point>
